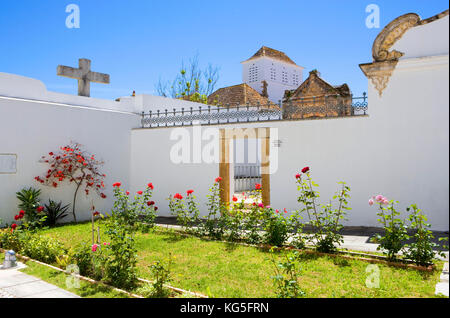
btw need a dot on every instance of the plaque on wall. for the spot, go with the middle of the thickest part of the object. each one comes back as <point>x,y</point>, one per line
<point>8,163</point>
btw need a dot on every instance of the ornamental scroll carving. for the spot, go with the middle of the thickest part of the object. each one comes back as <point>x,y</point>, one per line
<point>385,59</point>
<point>391,34</point>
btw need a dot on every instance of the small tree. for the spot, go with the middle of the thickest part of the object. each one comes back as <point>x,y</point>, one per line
<point>191,83</point>
<point>75,165</point>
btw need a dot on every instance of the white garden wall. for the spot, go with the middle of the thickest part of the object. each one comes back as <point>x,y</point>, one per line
<point>30,129</point>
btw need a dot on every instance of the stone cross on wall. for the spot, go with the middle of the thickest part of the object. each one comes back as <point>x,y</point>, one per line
<point>84,76</point>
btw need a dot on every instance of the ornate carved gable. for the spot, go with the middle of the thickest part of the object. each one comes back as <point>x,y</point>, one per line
<point>384,59</point>
<point>314,86</point>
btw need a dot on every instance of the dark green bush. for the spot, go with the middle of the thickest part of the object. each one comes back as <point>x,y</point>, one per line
<point>29,202</point>
<point>54,211</point>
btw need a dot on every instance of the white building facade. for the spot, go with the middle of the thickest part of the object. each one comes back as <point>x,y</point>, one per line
<point>276,69</point>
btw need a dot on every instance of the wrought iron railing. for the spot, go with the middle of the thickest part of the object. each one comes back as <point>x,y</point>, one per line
<point>328,106</point>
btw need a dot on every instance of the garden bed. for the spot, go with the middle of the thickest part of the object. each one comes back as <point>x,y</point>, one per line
<point>220,269</point>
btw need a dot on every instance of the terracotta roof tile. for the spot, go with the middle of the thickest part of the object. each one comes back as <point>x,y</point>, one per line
<point>239,95</point>
<point>275,54</point>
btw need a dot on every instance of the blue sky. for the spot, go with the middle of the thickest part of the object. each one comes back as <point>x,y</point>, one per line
<point>139,41</point>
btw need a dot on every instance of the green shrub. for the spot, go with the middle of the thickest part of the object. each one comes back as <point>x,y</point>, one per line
<point>13,240</point>
<point>54,212</point>
<point>82,256</point>
<point>31,244</point>
<point>161,272</point>
<point>131,212</point>
<point>325,220</point>
<point>234,216</point>
<point>276,227</point>
<point>215,223</point>
<point>395,230</point>
<point>119,256</point>
<point>252,220</point>
<point>42,248</point>
<point>29,202</point>
<point>421,250</point>
<point>296,227</point>
<point>286,275</point>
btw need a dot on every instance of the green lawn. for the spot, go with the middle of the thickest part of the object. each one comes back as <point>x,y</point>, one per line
<point>227,270</point>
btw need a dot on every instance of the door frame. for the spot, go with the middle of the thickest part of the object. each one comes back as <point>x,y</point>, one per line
<point>229,134</point>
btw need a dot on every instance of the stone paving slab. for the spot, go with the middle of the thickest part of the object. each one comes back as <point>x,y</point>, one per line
<point>15,284</point>
<point>30,288</point>
<point>10,278</point>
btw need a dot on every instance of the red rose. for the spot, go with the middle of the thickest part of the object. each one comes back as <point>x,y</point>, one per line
<point>218,179</point>
<point>128,192</point>
<point>50,153</point>
<point>21,212</point>
<point>234,198</point>
<point>149,203</point>
<point>40,209</point>
<point>117,184</point>
<point>16,217</point>
<point>257,186</point>
<point>103,195</point>
<point>189,192</point>
<point>150,185</point>
<point>298,176</point>
<point>139,192</point>
<point>155,208</point>
<point>305,169</point>
<point>96,213</point>
<point>178,196</point>
<point>13,226</point>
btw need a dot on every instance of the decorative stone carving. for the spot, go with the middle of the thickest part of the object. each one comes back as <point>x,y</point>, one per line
<point>385,60</point>
<point>379,73</point>
<point>391,34</point>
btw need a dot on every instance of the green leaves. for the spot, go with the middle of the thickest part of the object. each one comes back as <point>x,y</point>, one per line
<point>325,220</point>
<point>29,202</point>
<point>421,250</point>
<point>395,230</point>
<point>55,211</point>
<point>285,278</point>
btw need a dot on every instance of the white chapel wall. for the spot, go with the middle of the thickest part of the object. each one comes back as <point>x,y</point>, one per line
<point>31,128</point>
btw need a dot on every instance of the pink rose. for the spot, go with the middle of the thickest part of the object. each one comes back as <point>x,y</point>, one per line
<point>379,198</point>
<point>94,247</point>
<point>371,202</point>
